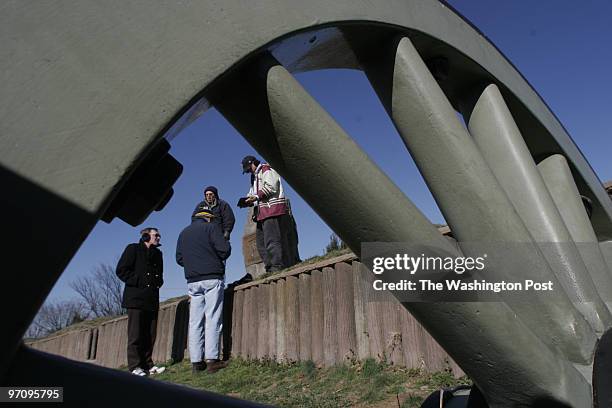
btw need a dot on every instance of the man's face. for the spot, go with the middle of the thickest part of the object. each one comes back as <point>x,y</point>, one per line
<point>155,237</point>
<point>210,197</point>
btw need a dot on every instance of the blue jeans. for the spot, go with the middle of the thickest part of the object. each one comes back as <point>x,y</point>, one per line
<point>205,318</point>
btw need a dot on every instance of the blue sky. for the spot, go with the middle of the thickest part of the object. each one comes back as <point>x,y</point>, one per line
<point>562,48</point>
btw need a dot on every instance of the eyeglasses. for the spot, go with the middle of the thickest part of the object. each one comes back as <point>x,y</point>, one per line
<point>155,235</point>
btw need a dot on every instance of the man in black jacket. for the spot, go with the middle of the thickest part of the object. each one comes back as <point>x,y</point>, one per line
<point>141,268</point>
<point>201,250</point>
<point>221,210</point>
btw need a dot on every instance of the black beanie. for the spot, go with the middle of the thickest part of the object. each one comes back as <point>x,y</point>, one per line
<point>213,189</point>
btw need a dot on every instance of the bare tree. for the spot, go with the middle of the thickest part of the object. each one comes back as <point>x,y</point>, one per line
<point>100,291</point>
<point>54,316</point>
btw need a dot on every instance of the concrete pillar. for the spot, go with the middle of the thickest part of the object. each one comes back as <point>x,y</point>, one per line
<point>502,146</point>
<point>333,175</point>
<point>476,208</point>
<point>560,183</point>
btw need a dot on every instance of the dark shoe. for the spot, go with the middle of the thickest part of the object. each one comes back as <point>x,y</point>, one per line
<point>212,366</point>
<point>198,367</point>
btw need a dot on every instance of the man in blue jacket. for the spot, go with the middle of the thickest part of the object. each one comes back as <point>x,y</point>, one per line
<point>201,250</point>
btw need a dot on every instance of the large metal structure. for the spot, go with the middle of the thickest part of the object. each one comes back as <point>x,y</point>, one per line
<point>91,89</point>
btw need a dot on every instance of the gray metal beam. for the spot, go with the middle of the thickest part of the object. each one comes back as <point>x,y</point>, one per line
<point>325,166</point>
<point>606,250</point>
<point>475,206</point>
<point>560,183</point>
<point>502,146</point>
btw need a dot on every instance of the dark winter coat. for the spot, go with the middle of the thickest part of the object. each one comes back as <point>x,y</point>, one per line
<point>142,271</point>
<point>221,210</point>
<point>201,250</point>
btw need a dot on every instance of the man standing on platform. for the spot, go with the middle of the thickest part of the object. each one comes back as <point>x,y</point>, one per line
<point>201,250</point>
<point>141,268</point>
<point>276,233</point>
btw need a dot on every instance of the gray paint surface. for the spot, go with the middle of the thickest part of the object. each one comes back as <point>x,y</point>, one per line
<point>502,146</point>
<point>472,201</point>
<point>560,183</point>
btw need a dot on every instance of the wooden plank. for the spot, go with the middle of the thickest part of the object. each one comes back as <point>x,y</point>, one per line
<point>361,334</point>
<point>110,346</point>
<point>93,345</point>
<point>262,321</point>
<point>292,319</point>
<point>73,342</point>
<point>62,347</point>
<point>411,341</point>
<point>373,319</point>
<point>330,321</point>
<point>161,336</point>
<point>253,314</point>
<point>237,322</point>
<point>81,345</point>
<point>171,319</point>
<point>244,349</point>
<point>162,333</point>
<point>316,309</point>
<point>176,336</point>
<point>424,339</point>
<point>281,354</point>
<point>255,321</point>
<point>101,348</point>
<point>122,329</point>
<point>116,348</point>
<point>305,337</point>
<point>347,342</point>
<point>272,320</point>
<point>171,313</point>
<point>392,331</point>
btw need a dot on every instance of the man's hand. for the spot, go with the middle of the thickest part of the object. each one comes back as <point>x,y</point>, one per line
<point>246,201</point>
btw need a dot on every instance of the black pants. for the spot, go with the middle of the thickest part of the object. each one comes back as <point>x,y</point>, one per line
<point>276,239</point>
<point>142,329</point>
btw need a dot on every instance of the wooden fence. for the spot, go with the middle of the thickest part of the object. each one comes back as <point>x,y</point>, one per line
<point>329,313</point>
<point>325,312</point>
<point>106,343</point>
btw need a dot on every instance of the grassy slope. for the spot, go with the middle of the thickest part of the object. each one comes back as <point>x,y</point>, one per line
<point>303,385</point>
